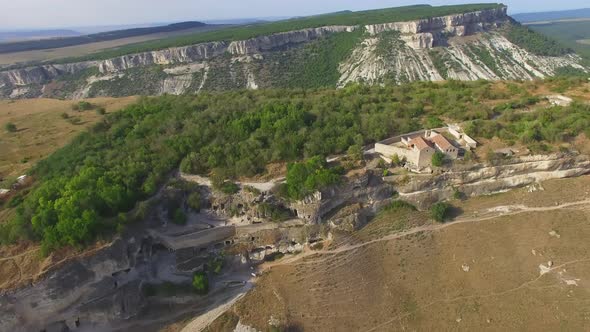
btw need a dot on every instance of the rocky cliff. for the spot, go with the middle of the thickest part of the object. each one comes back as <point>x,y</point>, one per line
<point>94,289</point>
<point>484,179</point>
<point>465,46</point>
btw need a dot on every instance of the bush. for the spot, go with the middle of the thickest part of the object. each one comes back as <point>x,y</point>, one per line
<point>10,127</point>
<point>101,111</point>
<point>438,159</point>
<point>395,160</point>
<point>457,194</point>
<point>306,177</point>
<point>227,187</point>
<point>399,205</point>
<point>355,152</point>
<point>200,283</point>
<point>65,115</point>
<point>439,211</point>
<point>179,217</point>
<point>194,201</point>
<point>82,106</point>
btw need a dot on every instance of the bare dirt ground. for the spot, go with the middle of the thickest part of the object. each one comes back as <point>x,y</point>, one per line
<point>513,261</point>
<point>41,129</point>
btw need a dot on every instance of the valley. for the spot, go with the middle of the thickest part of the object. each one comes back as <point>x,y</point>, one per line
<point>483,44</point>
<point>410,168</point>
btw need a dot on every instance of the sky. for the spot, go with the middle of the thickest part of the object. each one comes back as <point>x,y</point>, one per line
<point>38,14</point>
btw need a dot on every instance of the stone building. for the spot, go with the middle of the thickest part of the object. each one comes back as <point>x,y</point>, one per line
<point>417,148</point>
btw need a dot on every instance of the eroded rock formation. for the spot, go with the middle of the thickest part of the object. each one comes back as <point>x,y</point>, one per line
<point>447,47</point>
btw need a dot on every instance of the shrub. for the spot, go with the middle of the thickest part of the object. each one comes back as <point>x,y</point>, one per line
<point>215,265</point>
<point>190,164</point>
<point>200,283</point>
<point>179,217</point>
<point>228,188</point>
<point>101,111</point>
<point>82,106</point>
<point>355,152</point>
<point>438,159</point>
<point>65,115</point>
<point>395,160</point>
<point>194,201</point>
<point>306,177</point>
<point>399,205</point>
<point>457,194</point>
<point>439,211</point>
<point>10,127</point>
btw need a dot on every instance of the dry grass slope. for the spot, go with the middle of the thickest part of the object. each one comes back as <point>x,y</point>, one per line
<point>42,130</point>
<point>467,276</point>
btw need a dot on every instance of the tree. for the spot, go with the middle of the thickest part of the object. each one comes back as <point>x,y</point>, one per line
<point>438,159</point>
<point>200,283</point>
<point>439,211</point>
<point>10,127</point>
<point>179,217</point>
<point>194,201</point>
<point>355,152</point>
<point>395,160</point>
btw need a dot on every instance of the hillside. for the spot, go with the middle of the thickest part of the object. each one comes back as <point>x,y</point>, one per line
<point>483,44</point>
<point>574,34</point>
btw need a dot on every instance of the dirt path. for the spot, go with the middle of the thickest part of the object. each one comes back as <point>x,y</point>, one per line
<point>18,255</point>
<point>205,319</point>
<point>488,214</point>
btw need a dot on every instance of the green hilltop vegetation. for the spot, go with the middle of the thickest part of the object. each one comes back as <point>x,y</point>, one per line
<point>86,189</point>
<point>534,42</point>
<point>575,34</point>
<point>396,14</point>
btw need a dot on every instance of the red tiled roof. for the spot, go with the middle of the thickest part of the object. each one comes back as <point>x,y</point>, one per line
<point>441,141</point>
<point>419,142</point>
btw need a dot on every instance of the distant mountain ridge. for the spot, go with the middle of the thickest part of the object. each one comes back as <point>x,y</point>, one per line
<point>484,43</point>
<point>552,15</point>
<point>20,35</point>
<point>92,38</point>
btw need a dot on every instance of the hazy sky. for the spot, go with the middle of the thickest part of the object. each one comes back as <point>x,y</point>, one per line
<point>18,14</point>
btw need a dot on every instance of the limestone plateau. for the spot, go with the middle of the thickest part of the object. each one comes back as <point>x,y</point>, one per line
<point>467,46</point>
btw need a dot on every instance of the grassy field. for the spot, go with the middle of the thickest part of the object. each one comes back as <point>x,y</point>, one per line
<point>387,15</point>
<point>479,275</point>
<point>87,49</point>
<point>574,34</point>
<point>41,129</point>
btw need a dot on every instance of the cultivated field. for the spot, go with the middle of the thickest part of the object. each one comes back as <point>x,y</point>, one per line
<point>515,261</point>
<point>41,129</point>
<point>86,49</point>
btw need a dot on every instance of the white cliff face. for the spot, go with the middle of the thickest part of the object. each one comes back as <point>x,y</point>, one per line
<point>485,179</point>
<point>414,57</point>
<point>413,61</point>
<point>460,24</point>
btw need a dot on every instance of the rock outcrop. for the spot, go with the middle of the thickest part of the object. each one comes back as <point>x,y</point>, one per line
<point>433,49</point>
<point>94,289</point>
<point>459,24</point>
<point>482,179</point>
<point>367,190</point>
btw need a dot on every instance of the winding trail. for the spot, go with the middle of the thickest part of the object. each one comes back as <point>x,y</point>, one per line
<point>510,211</point>
<point>19,255</point>
<point>205,319</point>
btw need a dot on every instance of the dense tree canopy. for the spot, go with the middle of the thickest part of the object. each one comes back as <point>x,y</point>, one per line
<point>83,187</point>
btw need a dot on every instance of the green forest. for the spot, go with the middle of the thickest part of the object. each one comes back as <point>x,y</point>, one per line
<point>82,188</point>
<point>535,42</point>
